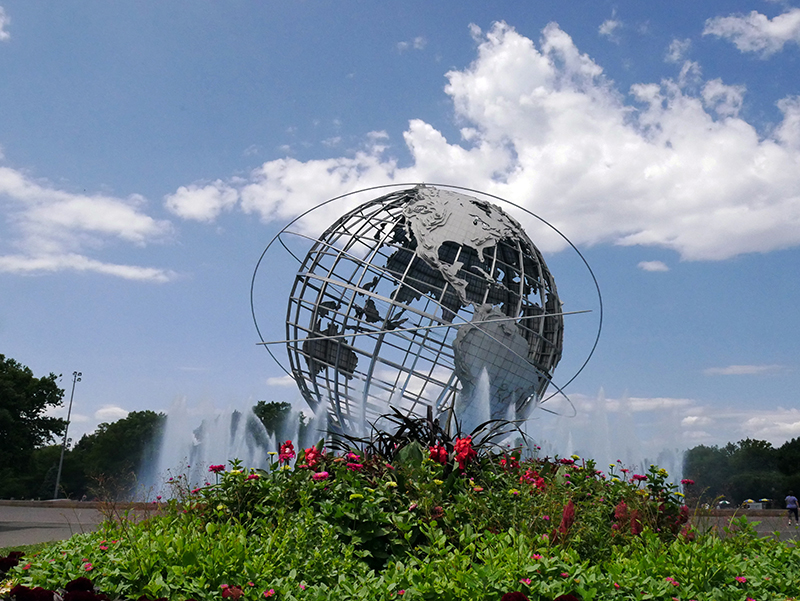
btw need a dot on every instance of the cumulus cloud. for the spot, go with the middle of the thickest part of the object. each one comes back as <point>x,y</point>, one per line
<point>544,128</point>
<point>51,229</point>
<point>756,32</point>
<point>202,203</point>
<point>653,266</point>
<point>677,51</point>
<point>110,413</point>
<point>726,101</point>
<point>744,370</point>
<point>4,21</point>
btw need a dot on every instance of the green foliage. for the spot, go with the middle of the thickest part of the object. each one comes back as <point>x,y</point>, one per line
<point>747,469</point>
<point>425,526</point>
<point>24,399</point>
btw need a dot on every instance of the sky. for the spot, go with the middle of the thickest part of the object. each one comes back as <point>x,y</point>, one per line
<point>149,151</point>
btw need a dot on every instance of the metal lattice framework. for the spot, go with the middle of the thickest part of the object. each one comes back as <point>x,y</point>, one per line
<point>378,315</point>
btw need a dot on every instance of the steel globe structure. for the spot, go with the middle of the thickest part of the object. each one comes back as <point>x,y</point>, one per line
<point>422,298</point>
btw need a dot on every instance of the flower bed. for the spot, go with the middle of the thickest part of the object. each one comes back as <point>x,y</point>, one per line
<point>438,521</point>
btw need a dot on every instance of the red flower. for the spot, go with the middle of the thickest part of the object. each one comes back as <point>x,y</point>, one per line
<point>312,456</point>
<point>567,517</point>
<point>439,453</point>
<point>320,476</point>
<point>638,478</point>
<point>286,452</point>
<point>687,482</point>
<point>636,523</point>
<point>252,477</point>
<point>355,467</point>
<point>216,468</point>
<point>509,462</point>
<point>464,451</point>
<point>231,592</point>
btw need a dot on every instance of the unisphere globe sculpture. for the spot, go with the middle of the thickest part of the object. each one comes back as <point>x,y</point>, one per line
<point>424,297</point>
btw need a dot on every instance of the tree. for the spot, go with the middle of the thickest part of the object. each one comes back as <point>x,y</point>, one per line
<point>24,399</point>
<point>112,456</point>
<point>273,415</point>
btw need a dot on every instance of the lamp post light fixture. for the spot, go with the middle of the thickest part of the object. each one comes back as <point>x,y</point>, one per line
<point>76,377</point>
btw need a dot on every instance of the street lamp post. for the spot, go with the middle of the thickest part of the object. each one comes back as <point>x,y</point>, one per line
<point>76,377</point>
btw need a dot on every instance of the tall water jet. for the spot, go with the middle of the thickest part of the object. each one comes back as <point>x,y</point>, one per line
<point>196,437</point>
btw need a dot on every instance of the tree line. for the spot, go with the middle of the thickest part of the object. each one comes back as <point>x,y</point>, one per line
<point>105,463</point>
<point>748,469</point>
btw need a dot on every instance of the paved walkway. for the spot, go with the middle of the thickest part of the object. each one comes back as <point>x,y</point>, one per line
<point>44,521</point>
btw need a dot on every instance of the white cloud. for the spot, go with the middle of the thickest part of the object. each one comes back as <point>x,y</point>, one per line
<point>4,22</point>
<point>608,29</point>
<point>51,228</point>
<point>544,128</point>
<point>653,266</point>
<point>418,43</point>
<point>756,32</point>
<point>725,100</point>
<point>202,203</point>
<point>285,380</point>
<point>677,51</point>
<point>331,142</point>
<point>744,370</point>
<point>110,413</point>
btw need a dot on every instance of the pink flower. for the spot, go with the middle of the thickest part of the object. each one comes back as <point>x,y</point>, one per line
<point>352,456</point>
<point>253,477</point>
<point>320,476</point>
<point>103,548</point>
<point>88,566</point>
<point>302,587</point>
<point>216,468</point>
<point>687,482</point>
<point>536,556</point>
<point>638,478</point>
<point>402,591</point>
<point>616,585</point>
<point>525,581</point>
<point>269,593</point>
<point>355,467</point>
<point>286,452</point>
<point>741,579</point>
<point>27,566</point>
<point>565,574</point>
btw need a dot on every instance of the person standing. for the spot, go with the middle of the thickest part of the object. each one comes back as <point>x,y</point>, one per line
<point>791,507</point>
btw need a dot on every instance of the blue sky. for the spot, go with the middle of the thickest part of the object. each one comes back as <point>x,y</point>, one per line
<point>150,150</point>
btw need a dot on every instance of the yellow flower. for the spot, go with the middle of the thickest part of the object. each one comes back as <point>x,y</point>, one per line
<point>286,467</point>
<point>642,493</point>
<point>615,479</point>
<point>680,494</point>
<point>391,483</point>
<point>663,472</point>
<point>356,495</point>
<point>575,457</point>
<point>220,506</point>
<point>438,482</point>
<point>272,452</point>
<point>236,471</point>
